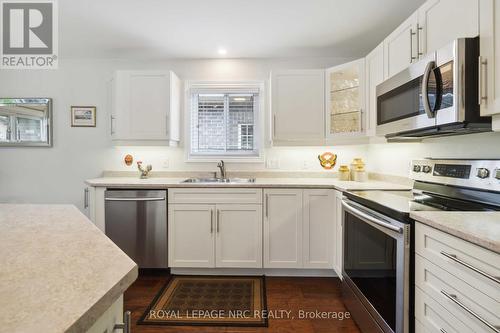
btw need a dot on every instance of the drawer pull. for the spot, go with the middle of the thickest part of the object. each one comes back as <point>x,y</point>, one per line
<point>455,300</point>
<point>463,263</point>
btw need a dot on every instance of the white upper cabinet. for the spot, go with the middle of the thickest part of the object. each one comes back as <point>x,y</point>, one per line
<point>374,75</point>
<point>345,99</point>
<point>146,106</point>
<point>400,47</point>
<point>489,85</point>
<point>298,104</point>
<point>441,21</point>
<point>435,24</point>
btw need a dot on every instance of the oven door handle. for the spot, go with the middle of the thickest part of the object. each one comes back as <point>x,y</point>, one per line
<point>370,218</point>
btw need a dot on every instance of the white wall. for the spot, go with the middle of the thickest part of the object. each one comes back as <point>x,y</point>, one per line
<point>56,175</point>
<point>394,158</point>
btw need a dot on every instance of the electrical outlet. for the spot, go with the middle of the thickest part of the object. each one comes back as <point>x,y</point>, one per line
<point>307,164</point>
<point>273,164</point>
<point>166,163</point>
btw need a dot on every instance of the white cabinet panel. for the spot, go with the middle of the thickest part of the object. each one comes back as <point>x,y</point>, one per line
<point>432,317</point>
<point>239,236</point>
<point>489,85</point>
<point>191,235</point>
<point>338,234</point>
<point>400,47</point>
<point>318,228</point>
<point>283,228</point>
<point>146,106</point>
<point>374,67</point>
<point>298,104</point>
<point>441,21</point>
<point>107,321</point>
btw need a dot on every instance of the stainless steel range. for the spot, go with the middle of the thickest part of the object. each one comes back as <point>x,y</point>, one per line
<point>378,239</point>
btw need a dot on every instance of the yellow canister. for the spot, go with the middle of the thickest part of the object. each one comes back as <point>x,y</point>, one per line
<point>344,173</point>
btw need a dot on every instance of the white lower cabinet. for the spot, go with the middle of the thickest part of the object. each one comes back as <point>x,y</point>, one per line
<point>191,238</point>
<point>215,230</point>
<point>338,235</point>
<point>298,228</point>
<point>238,236</point>
<point>283,228</point>
<point>318,228</point>
<point>456,284</point>
<point>111,317</point>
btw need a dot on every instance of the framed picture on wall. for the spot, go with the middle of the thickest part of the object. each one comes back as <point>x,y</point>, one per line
<point>83,116</point>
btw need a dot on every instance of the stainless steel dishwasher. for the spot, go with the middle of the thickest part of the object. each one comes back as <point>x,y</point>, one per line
<point>136,221</point>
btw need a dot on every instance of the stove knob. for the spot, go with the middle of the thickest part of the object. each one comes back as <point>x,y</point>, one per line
<point>416,168</point>
<point>483,173</point>
<point>426,169</point>
<point>497,174</point>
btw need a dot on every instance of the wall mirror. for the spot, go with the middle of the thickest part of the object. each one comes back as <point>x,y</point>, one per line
<point>26,122</point>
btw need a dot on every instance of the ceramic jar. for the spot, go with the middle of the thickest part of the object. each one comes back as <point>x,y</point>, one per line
<point>357,162</point>
<point>344,173</point>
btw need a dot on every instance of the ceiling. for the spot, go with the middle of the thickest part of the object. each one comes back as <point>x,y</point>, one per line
<point>245,28</point>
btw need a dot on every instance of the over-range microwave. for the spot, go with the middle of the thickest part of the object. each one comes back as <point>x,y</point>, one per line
<point>436,96</point>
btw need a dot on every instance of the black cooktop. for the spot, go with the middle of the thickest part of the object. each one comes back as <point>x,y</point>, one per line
<point>399,204</point>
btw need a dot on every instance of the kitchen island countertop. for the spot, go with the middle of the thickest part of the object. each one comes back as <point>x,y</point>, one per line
<point>59,272</point>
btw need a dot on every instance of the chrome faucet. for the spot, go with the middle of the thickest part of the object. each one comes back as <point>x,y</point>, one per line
<point>222,168</point>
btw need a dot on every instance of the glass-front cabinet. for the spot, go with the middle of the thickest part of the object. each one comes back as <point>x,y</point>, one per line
<point>345,99</point>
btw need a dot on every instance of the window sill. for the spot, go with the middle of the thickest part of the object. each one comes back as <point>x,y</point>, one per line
<point>226,158</point>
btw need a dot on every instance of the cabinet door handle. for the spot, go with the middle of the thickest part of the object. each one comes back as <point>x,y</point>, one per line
<point>167,116</point>
<point>274,126</point>
<point>483,82</point>
<point>477,270</point>
<point>412,33</point>
<point>455,300</point>
<point>267,205</point>
<point>112,118</point>
<point>217,220</point>
<point>211,221</point>
<point>125,326</point>
<point>419,30</point>
<point>86,197</point>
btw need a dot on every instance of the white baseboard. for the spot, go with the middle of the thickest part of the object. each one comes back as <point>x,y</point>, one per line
<point>255,271</point>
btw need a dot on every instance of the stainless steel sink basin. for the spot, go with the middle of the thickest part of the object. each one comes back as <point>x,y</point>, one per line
<point>219,180</point>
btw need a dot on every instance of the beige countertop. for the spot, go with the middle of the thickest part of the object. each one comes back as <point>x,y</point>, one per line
<point>480,228</point>
<point>159,182</point>
<point>59,272</point>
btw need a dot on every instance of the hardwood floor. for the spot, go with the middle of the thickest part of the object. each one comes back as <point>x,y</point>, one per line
<point>283,293</point>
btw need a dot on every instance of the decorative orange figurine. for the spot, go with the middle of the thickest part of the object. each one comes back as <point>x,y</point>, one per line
<point>327,160</point>
<point>128,159</point>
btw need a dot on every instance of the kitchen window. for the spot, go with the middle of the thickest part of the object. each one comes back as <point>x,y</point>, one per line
<point>224,121</point>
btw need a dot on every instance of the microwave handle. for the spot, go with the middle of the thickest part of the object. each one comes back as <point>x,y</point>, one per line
<point>425,82</point>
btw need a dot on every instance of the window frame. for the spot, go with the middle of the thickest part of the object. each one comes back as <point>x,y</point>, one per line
<point>226,87</point>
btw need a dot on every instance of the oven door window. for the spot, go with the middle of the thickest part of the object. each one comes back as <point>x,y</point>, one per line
<point>400,103</point>
<point>370,262</point>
